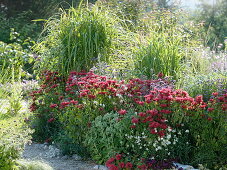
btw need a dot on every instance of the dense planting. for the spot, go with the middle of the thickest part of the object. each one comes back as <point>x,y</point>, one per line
<point>138,120</point>
<point>144,99</point>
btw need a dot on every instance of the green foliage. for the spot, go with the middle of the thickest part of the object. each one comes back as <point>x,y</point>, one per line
<point>68,146</point>
<point>15,59</point>
<point>21,23</point>
<point>106,137</point>
<point>13,136</point>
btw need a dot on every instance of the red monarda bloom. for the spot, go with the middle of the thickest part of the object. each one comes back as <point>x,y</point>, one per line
<point>53,105</point>
<point>210,109</point>
<point>118,157</point>
<point>51,120</point>
<point>122,112</point>
<point>135,120</point>
<point>128,165</point>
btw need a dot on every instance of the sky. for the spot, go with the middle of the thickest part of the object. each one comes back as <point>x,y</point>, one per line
<point>193,3</point>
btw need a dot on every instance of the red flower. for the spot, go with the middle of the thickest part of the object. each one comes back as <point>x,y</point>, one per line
<point>165,111</point>
<point>91,96</point>
<point>109,161</point>
<point>128,165</point>
<point>209,118</point>
<point>154,124</point>
<point>53,105</point>
<point>53,86</point>
<point>122,112</point>
<point>224,107</point>
<point>160,75</point>
<point>142,114</point>
<point>135,120</point>
<point>161,133</point>
<point>163,105</point>
<point>74,102</point>
<point>51,120</point>
<point>118,157</point>
<point>152,112</point>
<point>133,126</point>
<point>210,109</point>
<point>199,99</point>
<point>68,89</point>
<point>140,103</point>
<point>121,164</point>
<point>215,93</point>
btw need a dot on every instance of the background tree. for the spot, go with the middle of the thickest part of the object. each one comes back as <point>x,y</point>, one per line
<point>20,14</point>
<point>214,18</point>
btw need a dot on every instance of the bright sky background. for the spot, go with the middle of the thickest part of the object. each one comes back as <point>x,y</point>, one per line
<point>192,3</point>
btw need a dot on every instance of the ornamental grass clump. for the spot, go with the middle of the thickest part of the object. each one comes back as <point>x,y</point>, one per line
<point>76,39</point>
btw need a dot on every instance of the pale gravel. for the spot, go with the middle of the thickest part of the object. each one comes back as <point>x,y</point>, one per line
<point>51,156</point>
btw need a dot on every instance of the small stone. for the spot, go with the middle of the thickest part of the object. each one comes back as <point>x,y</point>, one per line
<point>96,167</point>
<point>45,143</point>
<point>102,167</point>
<point>76,157</point>
<point>65,157</point>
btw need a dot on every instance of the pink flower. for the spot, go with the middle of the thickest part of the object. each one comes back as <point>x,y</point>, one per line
<point>122,112</point>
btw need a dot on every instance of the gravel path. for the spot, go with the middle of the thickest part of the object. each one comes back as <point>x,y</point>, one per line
<point>51,156</point>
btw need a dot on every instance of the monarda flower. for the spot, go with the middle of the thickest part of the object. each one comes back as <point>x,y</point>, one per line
<point>118,157</point>
<point>51,120</point>
<point>122,112</point>
<point>128,165</point>
<point>135,120</point>
<point>210,109</point>
<point>53,105</point>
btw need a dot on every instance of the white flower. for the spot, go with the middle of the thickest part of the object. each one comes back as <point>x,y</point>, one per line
<point>187,131</point>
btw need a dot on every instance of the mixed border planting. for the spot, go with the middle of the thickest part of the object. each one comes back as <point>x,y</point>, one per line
<point>127,88</point>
